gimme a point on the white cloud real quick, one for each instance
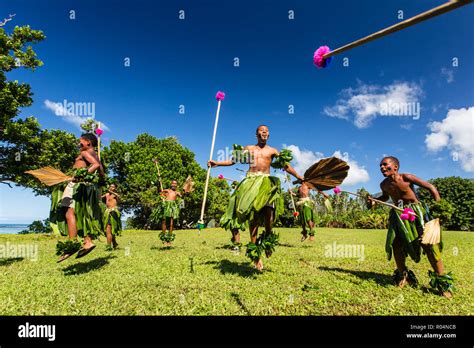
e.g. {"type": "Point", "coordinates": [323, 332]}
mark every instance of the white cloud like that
{"type": "Point", "coordinates": [365, 102]}
{"type": "Point", "coordinates": [303, 159]}
{"type": "Point", "coordinates": [448, 74]}
{"type": "Point", "coordinates": [67, 115]}
{"type": "Point", "coordinates": [456, 133]}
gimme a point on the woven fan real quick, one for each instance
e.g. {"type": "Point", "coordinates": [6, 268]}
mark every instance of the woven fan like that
{"type": "Point", "coordinates": [188, 184]}
{"type": "Point", "coordinates": [49, 176]}
{"type": "Point", "coordinates": [431, 232]}
{"type": "Point", "coordinates": [326, 173]}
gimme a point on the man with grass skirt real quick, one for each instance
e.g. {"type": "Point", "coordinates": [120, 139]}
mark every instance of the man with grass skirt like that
{"type": "Point", "coordinates": [111, 217]}
{"type": "Point", "coordinates": [167, 212]}
{"type": "Point", "coordinates": [405, 232]}
{"type": "Point", "coordinates": [75, 209]}
{"type": "Point", "coordinates": [258, 199]}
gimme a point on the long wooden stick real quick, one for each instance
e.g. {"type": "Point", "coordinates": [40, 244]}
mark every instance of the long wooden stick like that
{"type": "Point", "coordinates": [201, 218]}
{"type": "Point", "coordinates": [159, 176]}
{"type": "Point", "coordinates": [98, 143]}
{"type": "Point", "coordinates": [291, 195]}
{"type": "Point", "coordinates": [449, 6]}
{"type": "Point", "coordinates": [375, 200]}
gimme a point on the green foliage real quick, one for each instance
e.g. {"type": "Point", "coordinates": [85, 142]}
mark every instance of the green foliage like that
{"type": "Point", "coordinates": [131, 166]}
{"type": "Point", "coordinates": [442, 210]}
{"type": "Point", "coordinates": [460, 193]}
{"type": "Point", "coordinates": [38, 226]}
{"type": "Point", "coordinates": [24, 145]}
{"type": "Point", "coordinates": [89, 125]}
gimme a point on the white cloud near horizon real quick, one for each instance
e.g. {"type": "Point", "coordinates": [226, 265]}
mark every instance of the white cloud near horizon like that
{"type": "Point", "coordinates": [361, 105]}
{"type": "Point", "coordinates": [303, 159]}
{"type": "Point", "coordinates": [456, 133]}
{"type": "Point", "coordinates": [59, 110]}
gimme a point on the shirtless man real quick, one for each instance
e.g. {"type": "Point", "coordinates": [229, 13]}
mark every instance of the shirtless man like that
{"type": "Point", "coordinates": [257, 199]}
{"type": "Point", "coordinates": [399, 187]}
{"type": "Point", "coordinates": [87, 159]}
{"type": "Point", "coordinates": [112, 222]}
{"type": "Point", "coordinates": [170, 206]}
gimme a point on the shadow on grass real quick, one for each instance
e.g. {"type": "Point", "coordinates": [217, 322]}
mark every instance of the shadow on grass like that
{"type": "Point", "coordinates": [237, 299]}
{"type": "Point", "coordinates": [286, 245]}
{"type": "Point", "coordinates": [9, 261]}
{"type": "Point", "coordinates": [85, 267]}
{"type": "Point", "coordinates": [379, 278]}
{"type": "Point", "coordinates": [162, 248]}
{"type": "Point", "coordinates": [242, 269]}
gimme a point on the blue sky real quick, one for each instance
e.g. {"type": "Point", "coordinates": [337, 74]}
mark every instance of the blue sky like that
{"type": "Point", "coordinates": [177, 62]}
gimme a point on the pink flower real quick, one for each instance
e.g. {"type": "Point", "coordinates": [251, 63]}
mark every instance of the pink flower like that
{"type": "Point", "coordinates": [221, 176]}
{"type": "Point", "coordinates": [337, 190]}
{"type": "Point", "coordinates": [318, 59]}
{"type": "Point", "coordinates": [99, 131]}
{"type": "Point", "coordinates": [220, 95]}
{"type": "Point", "coordinates": [408, 214]}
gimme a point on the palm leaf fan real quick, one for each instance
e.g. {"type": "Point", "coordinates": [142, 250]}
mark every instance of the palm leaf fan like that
{"type": "Point", "coordinates": [188, 184]}
{"type": "Point", "coordinates": [326, 173]}
{"type": "Point", "coordinates": [49, 176]}
{"type": "Point", "coordinates": [431, 232]}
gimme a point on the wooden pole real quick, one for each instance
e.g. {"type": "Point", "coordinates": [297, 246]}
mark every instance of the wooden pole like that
{"type": "Point", "coordinates": [375, 200]}
{"type": "Point", "coordinates": [449, 6]}
{"type": "Point", "coordinates": [201, 218]}
{"type": "Point", "coordinates": [159, 176]}
{"type": "Point", "coordinates": [291, 192]}
{"type": "Point", "coordinates": [98, 143]}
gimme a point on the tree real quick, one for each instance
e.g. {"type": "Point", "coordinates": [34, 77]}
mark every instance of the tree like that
{"type": "Point", "coordinates": [460, 193]}
{"type": "Point", "coordinates": [38, 226]}
{"type": "Point", "coordinates": [131, 166]}
{"type": "Point", "coordinates": [23, 144]}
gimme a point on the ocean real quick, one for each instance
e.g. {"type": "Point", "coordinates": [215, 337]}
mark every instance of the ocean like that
{"type": "Point", "coordinates": [12, 228]}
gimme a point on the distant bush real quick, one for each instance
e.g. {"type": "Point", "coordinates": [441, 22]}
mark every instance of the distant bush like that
{"type": "Point", "coordinates": [38, 226]}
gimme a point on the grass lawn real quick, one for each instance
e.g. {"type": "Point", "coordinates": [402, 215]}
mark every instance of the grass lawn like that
{"type": "Point", "coordinates": [198, 276]}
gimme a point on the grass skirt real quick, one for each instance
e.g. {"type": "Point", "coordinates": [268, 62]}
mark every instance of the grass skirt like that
{"type": "Point", "coordinates": [409, 232]}
{"type": "Point", "coordinates": [86, 207]}
{"type": "Point", "coordinates": [255, 192]}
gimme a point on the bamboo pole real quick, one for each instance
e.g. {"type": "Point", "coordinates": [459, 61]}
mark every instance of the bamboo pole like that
{"type": "Point", "coordinates": [203, 206]}
{"type": "Point", "coordinates": [449, 6]}
{"type": "Point", "coordinates": [159, 176]}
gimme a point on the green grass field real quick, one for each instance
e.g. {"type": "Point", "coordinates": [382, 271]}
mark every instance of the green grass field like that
{"type": "Point", "coordinates": [198, 276]}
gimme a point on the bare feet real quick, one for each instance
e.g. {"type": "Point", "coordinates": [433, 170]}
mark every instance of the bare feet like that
{"type": "Point", "coordinates": [259, 265]}
{"type": "Point", "coordinates": [403, 281]}
{"type": "Point", "coordinates": [447, 294]}
{"type": "Point", "coordinates": [311, 238]}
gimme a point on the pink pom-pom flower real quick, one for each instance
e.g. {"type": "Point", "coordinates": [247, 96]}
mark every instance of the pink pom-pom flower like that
{"type": "Point", "coordinates": [220, 176]}
{"type": "Point", "coordinates": [408, 214]}
{"type": "Point", "coordinates": [99, 131]}
{"type": "Point", "coordinates": [318, 58]}
{"type": "Point", "coordinates": [337, 190]}
{"type": "Point", "coordinates": [220, 95]}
